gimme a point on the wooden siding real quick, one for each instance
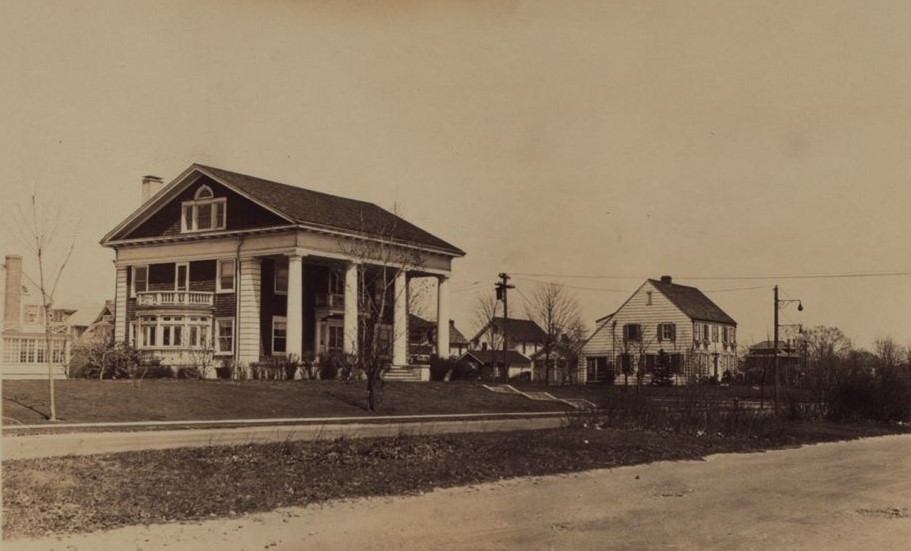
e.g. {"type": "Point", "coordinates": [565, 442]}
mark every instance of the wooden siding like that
{"type": "Point", "coordinates": [241, 213]}
{"type": "Point", "coordinates": [607, 340]}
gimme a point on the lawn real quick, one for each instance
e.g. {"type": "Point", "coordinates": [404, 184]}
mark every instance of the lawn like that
{"type": "Point", "coordinates": [599, 393]}
{"type": "Point", "coordinates": [181, 400]}
{"type": "Point", "coordinates": [85, 493]}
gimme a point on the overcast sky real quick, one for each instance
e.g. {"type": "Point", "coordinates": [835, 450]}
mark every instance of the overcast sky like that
{"type": "Point", "coordinates": [622, 140]}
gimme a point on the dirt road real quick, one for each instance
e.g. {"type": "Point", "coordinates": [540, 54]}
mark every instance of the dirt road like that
{"type": "Point", "coordinates": [849, 495]}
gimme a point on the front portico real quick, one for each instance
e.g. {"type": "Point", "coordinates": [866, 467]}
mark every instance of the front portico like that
{"type": "Point", "coordinates": [280, 287]}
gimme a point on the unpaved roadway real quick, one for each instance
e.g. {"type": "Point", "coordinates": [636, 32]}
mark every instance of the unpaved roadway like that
{"type": "Point", "coordinates": [847, 495]}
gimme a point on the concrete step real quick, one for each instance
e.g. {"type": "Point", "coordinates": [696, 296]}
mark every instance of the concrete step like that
{"type": "Point", "coordinates": [402, 374]}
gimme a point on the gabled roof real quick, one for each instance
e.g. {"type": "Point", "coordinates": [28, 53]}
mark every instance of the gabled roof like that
{"type": "Point", "coordinates": [417, 323]}
{"type": "Point", "coordinates": [456, 336]}
{"type": "Point", "coordinates": [490, 357]}
{"type": "Point", "coordinates": [517, 330]}
{"type": "Point", "coordinates": [311, 208]}
{"type": "Point", "coordinates": [692, 302]}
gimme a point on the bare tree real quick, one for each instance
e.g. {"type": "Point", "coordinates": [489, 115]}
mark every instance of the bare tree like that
{"type": "Point", "coordinates": [380, 260]}
{"type": "Point", "coordinates": [484, 314]}
{"type": "Point", "coordinates": [888, 352]}
{"type": "Point", "coordinates": [826, 349]}
{"type": "Point", "coordinates": [557, 312]}
{"type": "Point", "coordinates": [39, 226]}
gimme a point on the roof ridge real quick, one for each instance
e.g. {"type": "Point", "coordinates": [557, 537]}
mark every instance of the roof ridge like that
{"type": "Point", "coordinates": [327, 194]}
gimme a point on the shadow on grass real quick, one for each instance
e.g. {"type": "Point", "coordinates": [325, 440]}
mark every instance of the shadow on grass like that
{"type": "Point", "coordinates": [15, 400]}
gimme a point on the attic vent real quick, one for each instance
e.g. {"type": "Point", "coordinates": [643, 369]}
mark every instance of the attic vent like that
{"type": "Point", "coordinates": [666, 279]}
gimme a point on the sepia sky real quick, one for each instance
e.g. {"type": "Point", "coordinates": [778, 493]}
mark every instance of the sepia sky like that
{"type": "Point", "coordinates": [622, 140]}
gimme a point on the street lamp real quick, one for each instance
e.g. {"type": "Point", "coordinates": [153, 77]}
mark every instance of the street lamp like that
{"type": "Point", "coordinates": [778, 304]}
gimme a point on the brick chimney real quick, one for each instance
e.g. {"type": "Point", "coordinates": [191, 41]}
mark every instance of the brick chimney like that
{"type": "Point", "coordinates": [12, 293]}
{"type": "Point", "coordinates": [150, 186]}
{"type": "Point", "coordinates": [666, 279]}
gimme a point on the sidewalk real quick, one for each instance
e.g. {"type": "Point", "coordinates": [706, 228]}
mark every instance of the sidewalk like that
{"type": "Point", "coordinates": [25, 446]}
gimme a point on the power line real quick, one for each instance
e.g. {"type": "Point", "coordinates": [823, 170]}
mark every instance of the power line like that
{"type": "Point", "coordinates": [574, 286]}
{"type": "Point", "coordinates": [730, 277]}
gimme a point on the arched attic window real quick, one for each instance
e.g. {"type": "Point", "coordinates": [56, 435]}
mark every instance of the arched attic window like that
{"type": "Point", "coordinates": [204, 213]}
{"type": "Point", "coordinates": [204, 192]}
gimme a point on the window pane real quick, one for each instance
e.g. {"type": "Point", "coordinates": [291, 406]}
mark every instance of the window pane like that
{"type": "Point", "coordinates": [182, 273]}
{"type": "Point", "coordinates": [219, 215]}
{"type": "Point", "coordinates": [188, 217]}
{"type": "Point", "coordinates": [141, 278]}
{"type": "Point", "coordinates": [281, 279]}
{"type": "Point", "coordinates": [204, 216]}
{"type": "Point", "coordinates": [226, 274]}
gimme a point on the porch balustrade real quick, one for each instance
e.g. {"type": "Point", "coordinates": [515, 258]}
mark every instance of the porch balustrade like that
{"type": "Point", "coordinates": [174, 298]}
{"type": "Point", "coordinates": [333, 301]}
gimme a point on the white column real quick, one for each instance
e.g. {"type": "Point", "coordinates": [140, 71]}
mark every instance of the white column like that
{"type": "Point", "coordinates": [316, 335]}
{"type": "Point", "coordinates": [443, 316]}
{"type": "Point", "coordinates": [400, 320]}
{"type": "Point", "coordinates": [350, 328]}
{"type": "Point", "coordinates": [121, 295]}
{"type": "Point", "coordinates": [295, 304]}
{"type": "Point", "coordinates": [247, 328]}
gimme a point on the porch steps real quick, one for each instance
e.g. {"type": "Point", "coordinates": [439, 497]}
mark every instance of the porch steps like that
{"type": "Point", "coordinates": [575, 403]}
{"type": "Point", "coordinates": [402, 374]}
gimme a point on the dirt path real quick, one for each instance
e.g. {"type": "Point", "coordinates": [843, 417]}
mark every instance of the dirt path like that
{"type": "Point", "coordinates": [848, 495]}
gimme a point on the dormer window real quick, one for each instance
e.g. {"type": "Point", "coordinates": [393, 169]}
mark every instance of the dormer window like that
{"type": "Point", "coordinates": [205, 212]}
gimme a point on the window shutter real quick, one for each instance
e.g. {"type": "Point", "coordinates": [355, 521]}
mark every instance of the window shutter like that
{"type": "Point", "coordinates": [660, 332]}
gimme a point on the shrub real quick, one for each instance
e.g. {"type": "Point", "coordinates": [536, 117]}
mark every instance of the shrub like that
{"type": "Point", "coordinates": [884, 395]}
{"type": "Point", "coordinates": [440, 367]}
{"type": "Point", "coordinates": [153, 369]}
{"type": "Point", "coordinates": [188, 373]}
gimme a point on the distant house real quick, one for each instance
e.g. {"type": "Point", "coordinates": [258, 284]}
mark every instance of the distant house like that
{"type": "Point", "coordinates": [518, 362]}
{"type": "Point", "coordinates": [524, 336]}
{"type": "Point", "coordinates": [246, 269]}
{"type": "Point", "coordinates": [95, 329]}
{"type": "Point", "coordinates": [664, 332]}
{"type": "Point", "coordinates": [760, 359]}
{"type": "Point", "coordinates": [25, 353]}
{"type": "Point", "coordinates": [422, 340]}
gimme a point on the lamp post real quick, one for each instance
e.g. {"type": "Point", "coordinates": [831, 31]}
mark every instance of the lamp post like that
{"type": "Point", "coordinates": [778, 304]}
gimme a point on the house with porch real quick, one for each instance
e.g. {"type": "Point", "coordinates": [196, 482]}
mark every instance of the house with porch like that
{"type": "Point", "coordinates": [665, 333]}
{"type": "Point", "coordinates": [242, 269]}
{"type": "Point", "coordinates": [28, 353]}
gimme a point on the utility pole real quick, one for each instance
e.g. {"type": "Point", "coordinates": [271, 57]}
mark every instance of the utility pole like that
{"type": "Point", "coordinates": [502, 287]}
{"type": "Point", "coordinates": [775, 364]}
{"type": "Point", "coordinates": [777, 305]}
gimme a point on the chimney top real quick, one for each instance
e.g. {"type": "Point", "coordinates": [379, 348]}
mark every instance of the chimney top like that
{"type": "Point", "coordinates": [666, 279]}
{"type": "Point", "coordinates": [150, 178]}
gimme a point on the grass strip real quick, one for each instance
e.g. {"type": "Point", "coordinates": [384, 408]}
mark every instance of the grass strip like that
{"type": "Point", "coordinates": [81, 494]}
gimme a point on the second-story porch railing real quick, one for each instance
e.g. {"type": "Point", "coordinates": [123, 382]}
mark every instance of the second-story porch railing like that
{"type": "Point", "coordinates": [331, 300]}
{"type": "Point", "coordinates": [174, 298]}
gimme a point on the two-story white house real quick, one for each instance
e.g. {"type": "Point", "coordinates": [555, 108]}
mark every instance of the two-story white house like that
{"type": "Point", "coordinates": [249, 269]}
{"type": "Point", "coordinates": [664, 330]}
{"type": "Point", "coordinates": [26, 353]}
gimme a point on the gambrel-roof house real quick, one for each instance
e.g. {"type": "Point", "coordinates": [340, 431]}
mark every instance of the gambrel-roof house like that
{"type": "Point", "coordinates": [253, 268]}
{"type": "Point", "coordinates": [665, 332]}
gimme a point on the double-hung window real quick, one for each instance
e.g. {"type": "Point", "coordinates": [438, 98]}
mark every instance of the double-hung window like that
{"type": "Point", "coordinates": [182, 277]}
{"type": "Point", "coordinates": [632, 332]}
{"type": "Point", "coordinates": [667, 332]}
{"type": "Point", "coordinates": [204, 212]}
{"type": "Point", "coordinates": [225, 277]}
{"type": "Point", "coordinates": [140, 279]}
{"type": "Point", "coordinates": [281, 280]}
{"type": "Point", "coordinates": [279, 335]}
{"type": "Point", "coordinates": [224, 329]}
